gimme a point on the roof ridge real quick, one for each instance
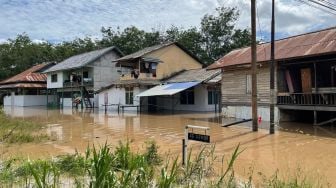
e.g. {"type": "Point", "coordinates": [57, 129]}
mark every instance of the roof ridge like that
{"type": "Point", "coordinates": [285, 38]}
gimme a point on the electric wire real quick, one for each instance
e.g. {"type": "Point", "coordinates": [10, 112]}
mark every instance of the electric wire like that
{"type": "Point", "coordinates": [316, 6]}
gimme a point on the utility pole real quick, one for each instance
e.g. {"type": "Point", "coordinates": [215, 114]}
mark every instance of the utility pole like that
{"type": "Point", "coordinates": [254, 67]}
{"type": "Point", "coordinates": [272, 94]}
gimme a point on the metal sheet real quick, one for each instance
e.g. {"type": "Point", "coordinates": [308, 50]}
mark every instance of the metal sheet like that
{"type": "Point", "coordinates": [309, 44]}
{"type": "Point", "coordinates": [168, 89]}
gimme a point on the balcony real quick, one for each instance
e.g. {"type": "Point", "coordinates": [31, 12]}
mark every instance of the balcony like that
{"type": "Point", "coordinates": [87, 82]}
{"type": "Point", "coordinates": [143, 76]}
{"type": "Point", "coordinates": [307, 99]}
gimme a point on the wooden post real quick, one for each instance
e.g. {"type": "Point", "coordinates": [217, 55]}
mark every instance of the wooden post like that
{"type": "Point", "coordinates": [254, 67]}
{"type": "Point", "coordinates": [272, 91]}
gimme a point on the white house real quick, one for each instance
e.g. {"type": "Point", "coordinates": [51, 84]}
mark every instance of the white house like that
{"type": "Point", "coordinates": [190, 90]}
{"type": "Point", "coordinates": [75, 80]}
{"type": "Point", "coordinates": [29, 88]}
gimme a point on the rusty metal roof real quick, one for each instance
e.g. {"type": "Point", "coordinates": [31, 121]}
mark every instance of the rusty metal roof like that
{"type": "Point", "coordinates": [28, 77]}
{"type": "Point", "coordinates": [304, 45]}
{"type": "Point", "coordinates": [23, 85]}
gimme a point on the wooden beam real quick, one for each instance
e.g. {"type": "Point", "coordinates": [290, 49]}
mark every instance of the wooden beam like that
{"type": "Point", "coordinates": [254, 67]}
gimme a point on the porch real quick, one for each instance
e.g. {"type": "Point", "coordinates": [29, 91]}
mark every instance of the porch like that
{"type": "Point", "coordinates": [308, 85]}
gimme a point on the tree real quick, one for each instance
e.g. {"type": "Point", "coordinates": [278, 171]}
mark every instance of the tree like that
{"type": "Point", "coordinates": [130, 40]}
{"type": "Point", "coordinates": [219, 34]}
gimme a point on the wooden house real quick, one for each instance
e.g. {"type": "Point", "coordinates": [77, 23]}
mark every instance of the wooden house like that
{"type": "Point", "coordinates": [29, 88]}
{"type": "Point", "coordinates": [144, 69]}
{"type": "Point", "coordinates": [75, 80]}
{"type": "Point", "coordinates": [305, 78]}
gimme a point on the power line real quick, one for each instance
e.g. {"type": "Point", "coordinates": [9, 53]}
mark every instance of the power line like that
{"type": "Point", "coordinates": [323, 5]}
{"type": "Point", "coordinates": [316, 6]}
{"type": "Point", "coordinates": [328, 3]}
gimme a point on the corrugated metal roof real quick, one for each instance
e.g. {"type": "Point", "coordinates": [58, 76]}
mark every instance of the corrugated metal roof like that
{"type": "Point", "coordinates": [216, 79]}
{"type": "Point", "coordinates": [23, 85]}
{"type": "Point", "coordinates": [167, 89]}
{"type": "Point", "coordinates": [144, 51]}
{"type": "Point", "coordinates": [195, 75]}
{"type": "Point", "coordinates": [309, 44]}
{"type": "Point", "coordinates": [30, 75]}
{"type": "Point", "coordinates": [81, 60]}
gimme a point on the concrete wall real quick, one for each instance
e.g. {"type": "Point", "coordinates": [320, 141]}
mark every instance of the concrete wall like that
{"type": "Point", "coordinates": [201, 101]}
{"type": "Point", "coordinates": [60, 80]}
{"type": "Point", "coordinates": [245, 112]}
{"type": "Point", "coordinates": [117, 96]}
{"type": "Point", "coordinates": [105, 71]}
{"type": "Point", "coordinates": [67, 102]}
{"type": "Point", "coordinates": [26, 100]}
{"type": "Point", "coordinates": [174, 59]}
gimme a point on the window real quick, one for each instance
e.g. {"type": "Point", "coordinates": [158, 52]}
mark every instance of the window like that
{"type": "Point", "coordinates": [187, 96]}
{"type": "Point", "coordinates": [248, 84]}
{"type": "Point", "coordinates": [212, 96]}
{"type": "Point", "coordinates": [85, 74]}
{"type": "Point", "coordinates": [54, 78]}
{"type": "Point", "coordinates": [129, 95]}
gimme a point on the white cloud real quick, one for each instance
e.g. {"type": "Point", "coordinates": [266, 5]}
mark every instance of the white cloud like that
{"type": "Point", "coordinates": [66, 19]}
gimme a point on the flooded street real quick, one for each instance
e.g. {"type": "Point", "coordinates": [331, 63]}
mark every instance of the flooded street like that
{"type": "Point", "coordinates": [295, 146]}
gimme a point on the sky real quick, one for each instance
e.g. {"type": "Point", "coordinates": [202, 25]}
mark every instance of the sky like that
{"type": "Point", "coordinates": [60, 20]}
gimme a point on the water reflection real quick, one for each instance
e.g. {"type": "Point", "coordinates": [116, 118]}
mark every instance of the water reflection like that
{"type": "Point", "coordinates": [293, 145]}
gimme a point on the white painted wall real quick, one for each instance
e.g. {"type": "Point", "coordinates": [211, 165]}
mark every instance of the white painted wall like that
{"type": "Point", "coordinates": [245, 112]}
{"type": "Point", "coordinates": [68, 102]}
{"type": "Point", "coordinates": [60, 80]}
{"type": "Point", "coordinates": [117, 96]}
{"type": "Point", "coordinates": [26, 100]}
{"type": "Point", "coordinates": [201, 101]}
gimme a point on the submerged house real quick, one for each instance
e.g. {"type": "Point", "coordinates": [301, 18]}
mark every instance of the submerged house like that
{"type": "Point", "coordinates": [143, 70]}
{"type": "Point", "coordinates": [189, 90]}
{"type": "Point", "coordinates": [29, 88]}
{"type": "Point", "coordinates": [75, 80]}
{"type": "Point", "coordinates": [305, 79]}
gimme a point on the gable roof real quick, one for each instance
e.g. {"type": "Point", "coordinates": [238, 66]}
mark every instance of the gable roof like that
{"type": "Point", "coordinates": [194, 75]}
{"type": "Point", "coordinates": [148, 50]}
{"type": "Point", "coordinates": [32, 77]}
{"type": "Point", "coordinates": [83, 59]}
{"type": "Point", "coordinates": [321, 42]}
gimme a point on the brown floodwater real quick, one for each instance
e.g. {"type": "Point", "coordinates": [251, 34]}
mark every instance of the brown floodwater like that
{"type": "Point", "coordinates": [294, 146]}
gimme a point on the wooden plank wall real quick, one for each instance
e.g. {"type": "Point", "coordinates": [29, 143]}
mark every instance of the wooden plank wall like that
{"type": "Point", "coordinates": [234, 87]}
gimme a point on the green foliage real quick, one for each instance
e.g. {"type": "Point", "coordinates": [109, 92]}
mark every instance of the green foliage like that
{"type": "Point", "coordinates": [216, 36]}
{"type": "Point", "coordinates": [19, 131]}
{"type": "Point", "coordinates": [151, 155]}
{"type": "Point", "coordinates": [104, 167]}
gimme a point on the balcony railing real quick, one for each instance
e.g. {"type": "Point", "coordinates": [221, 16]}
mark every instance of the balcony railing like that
{"type": "Point", "coordinates": [140, 76]}
{"type": "Point", "coordinates": [308, 99]}
{"type": "Point", "coordinates": [88, 82]}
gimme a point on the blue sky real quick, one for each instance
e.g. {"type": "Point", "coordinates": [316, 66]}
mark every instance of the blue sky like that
{"type": "Point", "coordinates": [58, 20]}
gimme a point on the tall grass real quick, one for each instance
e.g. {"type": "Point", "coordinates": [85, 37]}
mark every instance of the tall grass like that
{"type": "Point", "coordinates": [105, 166]}
{"type": "Point", "coordinates": [19, 131]}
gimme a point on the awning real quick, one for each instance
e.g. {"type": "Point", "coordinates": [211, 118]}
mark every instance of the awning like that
{"type": "Point", "coordinates": [167, 89]}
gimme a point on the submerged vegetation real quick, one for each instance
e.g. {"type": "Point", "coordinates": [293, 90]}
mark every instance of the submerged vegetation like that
{"type": "Point", "coordinates": [19, 131]}
{"type": "Point", "coordinates": [120, 167]}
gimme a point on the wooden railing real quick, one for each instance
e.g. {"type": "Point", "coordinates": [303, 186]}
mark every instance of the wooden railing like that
{"type": "Point", "coordinates": [319, 99]}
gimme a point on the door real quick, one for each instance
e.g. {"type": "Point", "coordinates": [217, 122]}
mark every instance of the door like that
{"type": "Point", "coordinates": [152, 104]}
{"type": "Point", "coordinates": [306, 80]}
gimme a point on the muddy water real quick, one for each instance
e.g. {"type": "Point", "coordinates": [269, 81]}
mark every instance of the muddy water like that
{"type": "Point", "coordinates": [294, 146]}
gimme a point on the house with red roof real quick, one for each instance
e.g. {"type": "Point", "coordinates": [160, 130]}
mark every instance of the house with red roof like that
{"type": "Point", "coordinates": [27, 88]}
{"type": "Point", "coordinates": [305, 79]}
